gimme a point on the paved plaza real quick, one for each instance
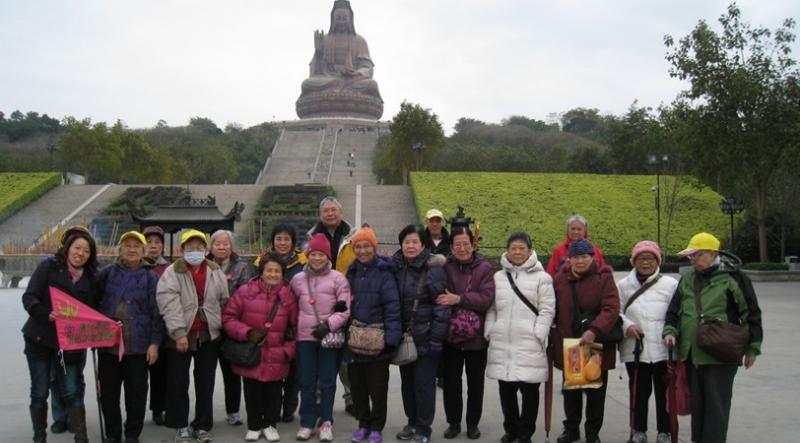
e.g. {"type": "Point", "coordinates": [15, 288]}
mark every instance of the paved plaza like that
{"type": "Point", "coordinates": [764, 407]}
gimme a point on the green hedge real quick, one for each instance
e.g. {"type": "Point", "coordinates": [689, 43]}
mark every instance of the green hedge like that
{"type": "Point", "coordinates": [766, 266]}
{"type": "Point", "coordinates": [620, 208]}
{"type": "Point", "coordinates": [19, 189]}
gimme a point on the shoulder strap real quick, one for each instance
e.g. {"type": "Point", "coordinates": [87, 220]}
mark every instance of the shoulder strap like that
{"type": "Point", "coordinates": [417, 295]}
{"type": "Point", "coordinates": [274, 311]}
{"type": "Point", "coordinates": [311, 300]}
{"type": "Point", "coordinates": [698, 289]}
{"type": "Point", "coordinates": [640, 291]}
{"type": "Point", "coordinates": [519, 294]}
{"type": "Point", "coordinates": [577, 312]}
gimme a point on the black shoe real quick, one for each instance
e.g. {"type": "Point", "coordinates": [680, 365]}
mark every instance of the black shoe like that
{"type": "Point", "coordinates": [452, 431]}
{"type": "Point", "coordinates": [593, 440]}
{"type": "Point", "coordinates": [524, 440]}
{"type": "Point", "coordinates": [131, 439]}
{"type": "Point", "coordinates": [568, 437]}
{"type": "Point", "coordinates": [407, 433]}
{"type": "Point", "coordinates": [508, 438]}
{"type": "Point", "coordinates": [473, 433]}
{"type": "Point", "coordinates": [440, 382]}
{"type": "Point", "coordinates": [59, 427]}
{"type": "Point", "coordinates": [349, 410]}
{"type": "Point", "coordinates": [159, 418]}
{"type": "Point", "coordinates": [287, 417]}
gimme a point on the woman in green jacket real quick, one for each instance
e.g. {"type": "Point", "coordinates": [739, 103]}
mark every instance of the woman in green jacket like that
{"type": "Point", "coordinates": [726, 294]}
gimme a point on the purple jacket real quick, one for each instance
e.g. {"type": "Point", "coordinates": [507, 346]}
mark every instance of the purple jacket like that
{"type": "Point", "coordinates": [326, 288]}
{"type": "Point", "coordinates": [249, 309]}
{"type": "Point", "coordinates": [474, 282]}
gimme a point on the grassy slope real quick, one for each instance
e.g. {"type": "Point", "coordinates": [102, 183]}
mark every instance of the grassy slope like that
{"type": "Point", "coordinates": [19, 189]}
{"type": "Point", "coordinates": [620, 208]}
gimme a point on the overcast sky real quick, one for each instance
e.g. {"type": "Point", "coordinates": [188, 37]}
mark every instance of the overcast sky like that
{"type": "Point", "coordinates": [243, 60]}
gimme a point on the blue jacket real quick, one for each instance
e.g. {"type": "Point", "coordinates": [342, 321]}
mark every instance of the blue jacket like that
{"type": "Point", "coordinates": [430, 320]}
{"type": "Point", "coordinates": [375, 300]}
{"type": "Point", "coordinates": [137, 288]}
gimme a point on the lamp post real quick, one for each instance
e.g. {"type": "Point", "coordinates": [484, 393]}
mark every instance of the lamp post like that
{"type": "Point", "coordinates": [658, 161]}
{"type": "Point", "coordinates": [731, 206]}
{"type": "Point", "coordinates": [417, 148]}
{"type": "Point", "coordinates": [52, 148]}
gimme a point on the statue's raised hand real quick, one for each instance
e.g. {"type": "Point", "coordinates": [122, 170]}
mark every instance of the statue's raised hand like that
{"type": "Point", "coordinates": [319, 40]}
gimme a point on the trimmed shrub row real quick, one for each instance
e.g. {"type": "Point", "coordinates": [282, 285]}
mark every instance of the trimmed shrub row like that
{"type": "Point", "coordinates": [20, 189]}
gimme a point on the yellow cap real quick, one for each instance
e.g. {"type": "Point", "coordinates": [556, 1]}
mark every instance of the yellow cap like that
{"type": "Point", "coordinates": [701, 242]}
{"type": "Point", "coordinates": [133, 234]}
{"type": "Point", "coordinates": [193, 233]}
{"type": "Point", "coordinates": [434, 213]}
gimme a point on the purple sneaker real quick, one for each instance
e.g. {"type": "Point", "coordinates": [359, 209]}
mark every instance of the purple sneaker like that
{"type": "Point", "coordinates": [360, 435]}
{"type": "Point", "coordinates": [375, 437]}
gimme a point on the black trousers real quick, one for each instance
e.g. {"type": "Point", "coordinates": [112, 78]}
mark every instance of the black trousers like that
{"type": "Point", "coordinates": [418, 386]}
{"type": "Point", "coordinates": [651, 379]}
{"type": "Point", "coordinates": [519, 424]}
{"type": "Point", "coordinates": [369, 385]}
{"type": "Point", "coordinates": [595, 408]}
{"type": "Point", "coordinates": [113, 374]}
{"type": "Point", "coordinates": [262, 400]}
{"type": "Point", "coordinates": [158, 382]}
{"type": "Point", "coordinates": [205, 371]}
{"type": "Point", "coordinates": [233, 385]}
{"type": "Point", "coordinates": [711, 388]}
{"type": "Point", "coordinates": [291, 390]}
{"type": "Point", "coordinates": [456, 362]}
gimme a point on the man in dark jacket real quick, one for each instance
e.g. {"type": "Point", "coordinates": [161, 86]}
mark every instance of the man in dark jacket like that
{"type": "Point", "coordinates": [437, 240]}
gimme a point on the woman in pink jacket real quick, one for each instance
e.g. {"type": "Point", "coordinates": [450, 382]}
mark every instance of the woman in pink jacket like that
{"type": "Point", "coordinates": [323, 300]}
{"type": "Point", "coordinates": [261, 311]}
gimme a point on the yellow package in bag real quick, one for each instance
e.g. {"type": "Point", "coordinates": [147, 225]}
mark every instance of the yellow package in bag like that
{"type": "Point", "coordinates": [583, 365]}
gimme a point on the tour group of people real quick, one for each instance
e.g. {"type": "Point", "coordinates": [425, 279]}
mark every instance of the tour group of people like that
{"type": "Point", "coordinates": [335, 307]}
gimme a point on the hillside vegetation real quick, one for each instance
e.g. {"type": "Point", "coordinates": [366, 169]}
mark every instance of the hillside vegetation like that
{"type": "Point", "coordinates": [19, 189]}
{"type": "Point", "coordinates": [620, 208]}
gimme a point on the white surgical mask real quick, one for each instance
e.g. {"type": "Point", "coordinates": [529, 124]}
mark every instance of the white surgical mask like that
{"type": "Point", "coordinates": [194, 258]}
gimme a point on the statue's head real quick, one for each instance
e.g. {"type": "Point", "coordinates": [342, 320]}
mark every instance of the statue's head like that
{"type": "Point", "coordinates": [342, 18]}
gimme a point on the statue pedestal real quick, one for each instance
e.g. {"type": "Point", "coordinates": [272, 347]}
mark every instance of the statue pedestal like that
{"type": "Point", "coordinates": [339, 104]}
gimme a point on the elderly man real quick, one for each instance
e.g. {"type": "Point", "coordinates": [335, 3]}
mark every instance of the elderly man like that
{"type": "Point", "coordinates": [337, 231]}
{"type": "Point", "coordinates": [437, 239]}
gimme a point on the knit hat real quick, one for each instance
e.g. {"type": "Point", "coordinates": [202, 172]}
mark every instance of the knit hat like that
{"type": "Point", "coordinates": [646, 246]}
{"type": "Point", "coordinates": [319, 243]}
{"type": "Point", "coordinates": [365, 234]}
{"type": "Point", "coordinates": [581, 246]}
{"type": "Point", "coordinates": [154, 230]}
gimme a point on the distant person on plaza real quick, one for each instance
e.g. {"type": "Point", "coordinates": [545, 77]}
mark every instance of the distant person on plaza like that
{"type": "Point", "coordinates": [374, 301]}
{"type": "Point", "coordinates": [518, 336]}
{"type": "Point", "coordinates": [323, 298]}
{"type": "Point", "coordinates": [726, 294]}
{"type": "Point", "coordinates": [592, 286]}
{"type": "Point", "coordinates": [129, 296]}
{"type": "Point", "coordinates": [577, 228]}
{"type": "Point", "coordinates": [237, 272]}
{"type": "Point", "coordinates": [190, 296]}
{"type": "Point", "coordinates": [73, 270]}
{"type": "Point", "coordinates": [643, 319]}
{"type": "Point", "coordinates": [427, 322]}
{"type": "Point", "coordinates": [437, 239]}
{"type": "Point", "coordinates": [154, 256]}
{"type": "Point", "coordinates": [470, 286]}
{"type": "Point", "coordinates": [249, 316]}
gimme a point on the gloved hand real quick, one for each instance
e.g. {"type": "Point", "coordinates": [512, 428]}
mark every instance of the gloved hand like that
{"type": "Point", "coordinates": [254, 336]}
{"type": "Point", "coordinates": [435, 348]}
{"type": "Point", "coordinates": [340, 306]}
{"type": "Point", "coordinates": [321, 330]}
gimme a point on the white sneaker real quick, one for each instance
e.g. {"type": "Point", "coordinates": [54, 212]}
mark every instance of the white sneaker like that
{"type": "Point", "coordinates": [664, 437]}
{"type": "Point", "coordinates": [304, 434]}
{"type": "Point", "coordinates": [252, 435]}
{"type": "Point", "coordinates": [271, 434]}
{"type": "Point", "coordinates": [234, 419]}
{"type": "Point", "coordinates": [326, 431]}
{"type": "Point", "coordinates": [639, 437]}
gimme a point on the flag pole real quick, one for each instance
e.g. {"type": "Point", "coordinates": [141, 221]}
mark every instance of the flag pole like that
{"type": "Point", "coordinates": [97, 390]}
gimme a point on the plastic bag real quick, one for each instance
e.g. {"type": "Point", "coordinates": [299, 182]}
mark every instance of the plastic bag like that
{"type": "Point", "coordinates": [583, 365]}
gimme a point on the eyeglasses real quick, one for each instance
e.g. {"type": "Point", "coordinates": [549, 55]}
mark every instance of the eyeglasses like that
{"type": "Point", "coordinates": [462, 245]}
{"type": "Point", "coordinates": [644, 259]}
{"type": "Point", "coordinates": [697, 255]}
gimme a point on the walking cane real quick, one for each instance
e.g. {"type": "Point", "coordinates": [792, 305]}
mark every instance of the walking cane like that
{"type": "Point", "coordinates": [97, 390]}
{"type": "Point", "coordinates": [548, 395]}
{"type": "Point", "coordinates": [637, 353]}
{"type": "Point", "coordinates": [672, 397]}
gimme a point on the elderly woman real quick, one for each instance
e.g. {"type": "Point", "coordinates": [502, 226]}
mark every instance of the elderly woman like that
{"type": "Point", "coordinates": [470, 287]}
{"type": "Point", "coordinates": [583, 281]}
{"type": "Point", "coordinates": [323, 297]}
{"type": "Point", "coordinates": [154, 252]}
{"type": "Point", "coordinates": [420, 279]}
{"type": "Point", "coordinates": [375, 301]}
{"type": "Point", "coordinates": [73, 271]}
{"type": "Point", "coordinates": [644, 296]}
{"type": "Point", "coordinates": [577, 228]}
{"type": "Point", "coordinates": [129, 296]}
{"type": "Point", "coordinates": [517, 325]}
{"type": "Point", "coordinates": [237, 272]}
{"type": "Point", "coordinates": [261, 311]}
{"type": "Point", "coordinates": [726, 294]}
{"type": "Point", "coordinates": [190, 296]}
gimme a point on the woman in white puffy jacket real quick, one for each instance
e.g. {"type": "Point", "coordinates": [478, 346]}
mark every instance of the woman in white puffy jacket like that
{"type": "Point", "coordinates": [518, 336]}
{"type": "Point", "coordinates": [644, 316]}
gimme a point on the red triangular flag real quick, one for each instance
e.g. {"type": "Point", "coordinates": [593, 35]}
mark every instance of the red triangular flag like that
{"type": "Point", "coordinates": [80, 327]}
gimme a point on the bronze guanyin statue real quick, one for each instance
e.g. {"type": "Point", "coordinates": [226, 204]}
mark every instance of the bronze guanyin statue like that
{"type": "Point", "coordinates": [340, 82]}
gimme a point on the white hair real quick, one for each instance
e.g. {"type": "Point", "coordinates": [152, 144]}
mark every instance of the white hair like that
{"type": "Point", "coordinates": [220, 233]}
{"type": "Point", "coordinates": [330, 199]}
{"type": "Point", "coordinates": [578, 218]}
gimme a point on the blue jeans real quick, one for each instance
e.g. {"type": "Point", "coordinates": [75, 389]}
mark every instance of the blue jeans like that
{"type": "Point", "coordinates": [44, 362]}
{"type": "Point", "coordinates": [59, 412]}
{"type": "Point", "coordinates": [316, 366]}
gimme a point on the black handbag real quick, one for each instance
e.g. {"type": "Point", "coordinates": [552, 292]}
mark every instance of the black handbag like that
{"type": "Point", "coordinates": [582, 320]}
{"type": "Point", "coordinates": [246, 353]}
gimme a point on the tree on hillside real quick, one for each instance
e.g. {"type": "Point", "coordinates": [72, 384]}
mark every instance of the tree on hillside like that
{"type": "Point", "coordinates": [586, 122]}
{"type": "Point", "coordinates": [632, 138]}
{"type": "Point", "coordinates": [141, 162]}
{"type": "Point", "coordinates": [466, 123]}
{"type": "Point", "coordinates": [744, 102]}
{"type": "Point", "coordinates": [530, 123]}
{"type": "Point", "coordinates": [206, 125]}
{"type": "Point", "coordinates": [90, 149]}
{"type": "Point", "coordinates": [415, 136]}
